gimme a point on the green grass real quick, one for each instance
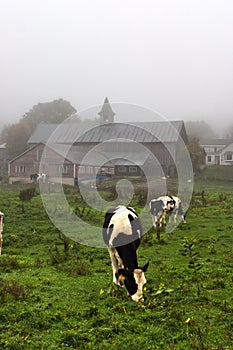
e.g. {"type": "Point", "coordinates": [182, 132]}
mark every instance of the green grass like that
{"type": "Point", "coordinates": [57, 294]}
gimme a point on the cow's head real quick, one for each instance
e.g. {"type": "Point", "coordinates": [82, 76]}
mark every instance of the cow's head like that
{"type": "Point", "coordinates": [133, 281]}
{"type": "Point", "coordinates": [171, 203]}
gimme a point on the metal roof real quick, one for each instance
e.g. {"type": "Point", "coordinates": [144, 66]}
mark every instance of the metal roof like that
{"type": "Point", "coordinates": [80, 132]}
{"type": "Point", "coordinates": [60, 133]}
{"type": "Point", "coordinates": [139, 132]}
{"type": "Point", "coordinates": [215, 142]}
{"type": "Point", "coordinates": [130, 156]}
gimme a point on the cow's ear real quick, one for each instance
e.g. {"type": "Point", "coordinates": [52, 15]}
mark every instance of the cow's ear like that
{"type": "Point", "coordinates": [145, 267]}
{"type": "Point", "coordinates": [121, 273]}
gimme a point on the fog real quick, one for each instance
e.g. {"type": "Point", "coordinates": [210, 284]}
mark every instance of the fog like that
{"type": "Point", "coordinates": [171, 56]}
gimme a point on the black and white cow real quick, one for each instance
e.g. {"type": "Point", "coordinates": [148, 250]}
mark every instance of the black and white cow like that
{"type": "Point", "coordinates": [176, 209]}
{"type": "Point", "coordinates": [158, 209]}
{"type": "Point", "coordinates": [161, 206]}
{"type": "Point", "coordinates": [1, 230]}
{"type": "Point", "coordinates": [41, 177]}
{"type": "Point", "coordinates": [122, 232]}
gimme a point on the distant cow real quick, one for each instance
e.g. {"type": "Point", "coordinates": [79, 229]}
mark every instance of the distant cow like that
{"type": "Point", "coordinates": [176, 209]}
{"type": "Point", "coordinates": [1, 230]}
{"type": "Point", "coordinates": [161, 206]}
{"type": "Point", "coordinates": [122, 232]}
{"type": "Point", "coordinates": [39, 177]}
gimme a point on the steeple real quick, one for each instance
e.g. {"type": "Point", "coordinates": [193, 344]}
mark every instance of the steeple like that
{"type": "Point", "coordinates": [106, 114]}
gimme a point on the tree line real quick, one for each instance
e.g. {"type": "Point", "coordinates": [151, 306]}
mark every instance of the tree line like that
{"type": "Point", "coordinates": [16, 135]}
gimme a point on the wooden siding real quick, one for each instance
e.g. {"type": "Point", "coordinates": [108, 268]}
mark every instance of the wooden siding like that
{"type": "Point", "coordinates": [55, 166]}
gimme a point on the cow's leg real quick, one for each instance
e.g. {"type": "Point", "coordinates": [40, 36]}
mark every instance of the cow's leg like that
{"type": "Point", "coordinates": [183, 219]}
{"type": "Point", "coordinates": [159, 218]}
{"type": "Point", "coordinates": [154, 220]}
{"type": "Point", "coordinates": [164, 219]}
{"type": "Point", "coordinates": [116, 264]}
{"type": "Point", "coordinates": [175, 216]}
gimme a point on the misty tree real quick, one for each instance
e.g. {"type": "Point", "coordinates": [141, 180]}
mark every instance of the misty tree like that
{"type": "Point", "coordinates": [16, 138]}
{"type": "Point", "coordinates": [4, 133]}
{"type": "Point", "coordinates": [197, 153]}
{"type": "Point", "coordinates": [229, 134]}
{"type": "Point", "coordinates": [200, 130]}
{"type": "Point", "coordinates": [56, 112]}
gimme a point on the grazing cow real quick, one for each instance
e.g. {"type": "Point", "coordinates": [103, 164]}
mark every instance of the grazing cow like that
{"type": "Point", "coordinates": [1, 230]}
{"type": "Point", "coordinates": [166, 205]}
{"type": "Point", "coordinates": [39, 177]}
{"type": "Point", "coordinates": [158, 208]}
{"type": "Point", "coordinates": [122, 232]}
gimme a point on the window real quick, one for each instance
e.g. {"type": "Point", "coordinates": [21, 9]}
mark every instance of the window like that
{"type": "Point", "coordinates": [62, 169]}
{"type": "Point", "coordinates": [122, 169]}
{"type": "Point", "coordinates": [133, 169]}
{"type": "Point", "coordinates": [209, 159]}
{"type": "Point", "coordinates": [81, 169]}
{"type": "Point", "coordinates": [20, 168]}
{"type": "Point", "coordinates": [89, 170]}
{"type": "Point", "coordinates": [38, 154]}
{"type": "Point", "coordinates": [228, 156]}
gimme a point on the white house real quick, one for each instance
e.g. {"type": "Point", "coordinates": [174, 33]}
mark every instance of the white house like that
{"type": "Point", "coordinates": [226, 155]}
{"type": "Point", "coordinates": [218, 151]}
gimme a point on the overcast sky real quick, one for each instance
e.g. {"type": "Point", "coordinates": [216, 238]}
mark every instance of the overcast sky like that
{"type": "Point", "coordinates": [172, 56]}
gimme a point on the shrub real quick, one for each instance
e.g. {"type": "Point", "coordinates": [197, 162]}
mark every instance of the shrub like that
{"type": "Point", "coordinates": [13, 289]}
{"type": "Point", "coordinates": [7, 264]}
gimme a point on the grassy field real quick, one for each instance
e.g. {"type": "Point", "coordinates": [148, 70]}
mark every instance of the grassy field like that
{"type": "Point", "coordinates": [57, 294]}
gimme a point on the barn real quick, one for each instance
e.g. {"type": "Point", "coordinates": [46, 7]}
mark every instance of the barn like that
{"type": "Point", "coordinates": [63, 163]}
{"type": "Point", "coordinates": [122, 149]}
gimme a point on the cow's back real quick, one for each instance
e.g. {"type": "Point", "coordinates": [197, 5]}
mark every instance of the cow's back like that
{"type": "Point", "coordinates": [121, 227]}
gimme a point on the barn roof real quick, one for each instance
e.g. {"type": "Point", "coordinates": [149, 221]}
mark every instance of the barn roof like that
{"type": "Point", "coordinates": [69, 133]}
{"type": "Point", "coordinates": [139, 132]}
{"type": "Point", "coordinates": [66, 132]}
{"type": "Point", "coordinates": [131, 156]}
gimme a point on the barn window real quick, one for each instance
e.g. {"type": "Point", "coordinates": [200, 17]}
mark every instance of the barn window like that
{"type": "Point", "coordinates": [38, 154]}
{"type": "Point", "coordinates": [62, 169]}
{"type": "Point", "coordinates": [81, 169]}
{"type": "Point", "coordinates": [133, 169]}
{"type": "Point", "coordinates": [89, 170]}
{"type": "Point", "coordinates": [122, 169]}
{"type": "Point", "coordinates": [20, 169]}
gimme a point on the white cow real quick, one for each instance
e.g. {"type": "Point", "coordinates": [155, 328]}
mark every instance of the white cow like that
{"type": "Point", "coordinates": [1, 230]}
{"type": "Point", "coordinates": [161, 206]}
{"type": "Point", "coordinates": [158, 209]}
{"type": "Point", "coordinates": [122, 232]}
